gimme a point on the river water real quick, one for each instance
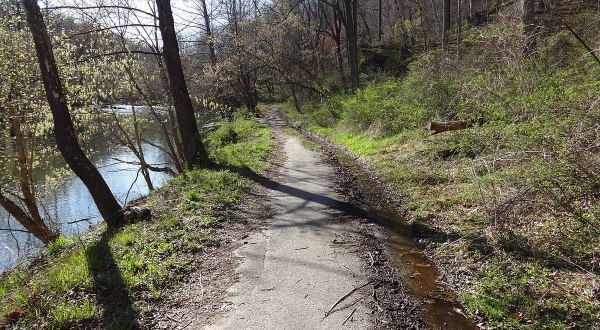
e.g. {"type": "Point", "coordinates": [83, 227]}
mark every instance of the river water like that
{"type": "Point", "coordinates": [71, 205]}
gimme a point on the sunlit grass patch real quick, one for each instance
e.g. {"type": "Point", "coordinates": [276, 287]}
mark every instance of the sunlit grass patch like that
{"type": "Point", "coordinates": [64, 312]}
{"type": "Point", "coordinates": [516, 294]}
{"type": "Point", "coordinates": [241, 143]}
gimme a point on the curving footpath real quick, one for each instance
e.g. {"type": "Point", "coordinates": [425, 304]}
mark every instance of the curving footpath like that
{"type": "Point", "coordinates": [302, 264]}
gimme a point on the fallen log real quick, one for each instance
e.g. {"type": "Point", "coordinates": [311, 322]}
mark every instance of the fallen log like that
{"type": "Point", "coordinates": [134, 214]}
{"type": "Point", "coordinates": [444, 126]}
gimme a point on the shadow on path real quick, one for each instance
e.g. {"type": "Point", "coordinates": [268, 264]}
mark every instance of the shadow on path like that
{"type": "Point", "coordinates": [342, 206]}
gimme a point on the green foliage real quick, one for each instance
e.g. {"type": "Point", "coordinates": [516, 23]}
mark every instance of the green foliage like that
{"type": "Point", "coordinates": [514, 294]}
{"type": "Point", "coordinates": [523, 179]}
{"type": "Point", "coordinates": [63, 312]}
{"type": "Point", "coordinates": [240, 143]}
{"type": "Point", "coordinates": [58, 245]}
{"type": "Point", "coordinates": [382, 109]}
{"type": "Point", "coordinates": [69, 273]}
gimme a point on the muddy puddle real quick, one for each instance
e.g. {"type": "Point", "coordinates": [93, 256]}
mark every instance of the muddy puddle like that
{"type": "Point", "coordinates": [439, 306]}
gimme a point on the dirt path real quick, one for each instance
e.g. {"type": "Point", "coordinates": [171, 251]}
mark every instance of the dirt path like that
{"type": "Point", "coordinates": [298, 244]}
{"type": "Point", "coordinates": [296, 269]}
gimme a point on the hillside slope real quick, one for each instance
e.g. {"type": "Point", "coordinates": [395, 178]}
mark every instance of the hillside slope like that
{"type": "Point", "coordinates": [509, 208]}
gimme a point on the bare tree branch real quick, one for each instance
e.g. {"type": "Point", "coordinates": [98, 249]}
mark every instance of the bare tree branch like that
{"type": "Point", "coordinates": [101, 7]}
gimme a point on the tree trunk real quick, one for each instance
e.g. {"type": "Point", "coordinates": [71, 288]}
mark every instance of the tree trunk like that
{"type": "Point", "coordinates": [446, 27]}
{"type": "Point", "coordinates": [529, 26]}
{"type": "Point", "coordinates": [470, 10]}
{"type": "Point", "coordinates": [180, 160]}
{"type": "Point", "coordinates": [209, 36]}
{"type": "Point", "coordinates": [340, 60]}
{"type": "Point", "coordinates": [379, 21]}
{"type": "Point", "coordinates": [336, 31]}
{"type": "Point", "coordinates": [194, 152]}
{"type": "Point", "coordinates": [296, 103]}
{"type": "Point", "coordinates": [64, 132]}
{"type": "Point", "coordinates": [39, 230]}
{"type": "Point", "coordinates": [458, 28]}
{"type": "Point", "coordinates": [351, 39]}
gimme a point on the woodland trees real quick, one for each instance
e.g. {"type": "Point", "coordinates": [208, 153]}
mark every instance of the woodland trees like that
{"type": "Point", "coordinates": [18, 193]}
{"type": "Point", "coordinates": [64, 132]}
{"type": "Point", "coordinates": [26, 123]}
{"type": "Point", "coordinates": [231, 54]}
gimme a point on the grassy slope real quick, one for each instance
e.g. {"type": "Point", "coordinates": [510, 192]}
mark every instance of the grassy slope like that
{"type": "Point", "coordinates": [81, 277]}
{"type": "Point", "coordinates": [513, 203]}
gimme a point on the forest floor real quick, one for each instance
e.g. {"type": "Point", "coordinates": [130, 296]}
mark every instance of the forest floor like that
{"type": "Point", "coordinates": [303, 259]}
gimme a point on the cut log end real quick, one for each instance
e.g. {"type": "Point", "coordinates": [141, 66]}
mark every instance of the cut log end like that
{"type": "Point", "coordinates": [445, 126]}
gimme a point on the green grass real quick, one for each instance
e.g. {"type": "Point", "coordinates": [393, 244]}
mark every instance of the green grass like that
{"type": "Point", "coordinates": [105, 278]}
{"type": "Point", "coordinates": [237, 143]}
{"type": "Point", "coordinates": [522, 180]}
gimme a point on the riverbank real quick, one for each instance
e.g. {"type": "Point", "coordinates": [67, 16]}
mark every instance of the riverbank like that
{"type": "Point", "coordinates": [116, 279]}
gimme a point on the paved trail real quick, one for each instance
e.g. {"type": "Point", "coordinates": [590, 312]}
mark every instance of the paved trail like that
{"type": "Point", "coordinates": [296, 269]}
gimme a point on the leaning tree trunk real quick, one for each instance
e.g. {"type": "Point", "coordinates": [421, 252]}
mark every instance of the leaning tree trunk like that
{"type": "Point", "coordinates": [194, 152]}
{"type": "Point", "coordinates": [64, 133]}
{"type": "Point", "coordinates": [37, 229]}
{"type": "Point", "coordinates": [28, 215]}
{"type": "Point", "coordinates": [35, 224]}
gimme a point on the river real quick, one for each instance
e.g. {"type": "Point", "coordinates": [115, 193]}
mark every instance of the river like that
{"type": "Point", "coordinates": [71, 205]}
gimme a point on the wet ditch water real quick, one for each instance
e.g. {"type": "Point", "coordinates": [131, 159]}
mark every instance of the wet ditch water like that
{"type": "Point", "coordinates": [439, 306]}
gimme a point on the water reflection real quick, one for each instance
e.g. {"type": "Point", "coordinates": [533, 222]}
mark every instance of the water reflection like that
{"type": "Point", "coordinates": [72, 207]}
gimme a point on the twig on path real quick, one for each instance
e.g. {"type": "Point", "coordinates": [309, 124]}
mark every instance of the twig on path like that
{"type": "Point", "coordinates": [187, 325]}
{"type": "Point", "coordinates": [416, 307]}
{"type": "Point", "coordinates": [372, 259]}
{"type": "Point", "coordinates": [374, 294]}
{"type": "Point", "coordinates": [172, 319]}
{"type": "Point", "coordinates": [201, 287]}
{"type": "Point", "coordinates": [349, 316]}
{"type": "Point", "coordinates": [362, 284]}
{"type": "Point", "coordinates": [268, 289]}
{"type": "Point", "coordinates": [78, 221]}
